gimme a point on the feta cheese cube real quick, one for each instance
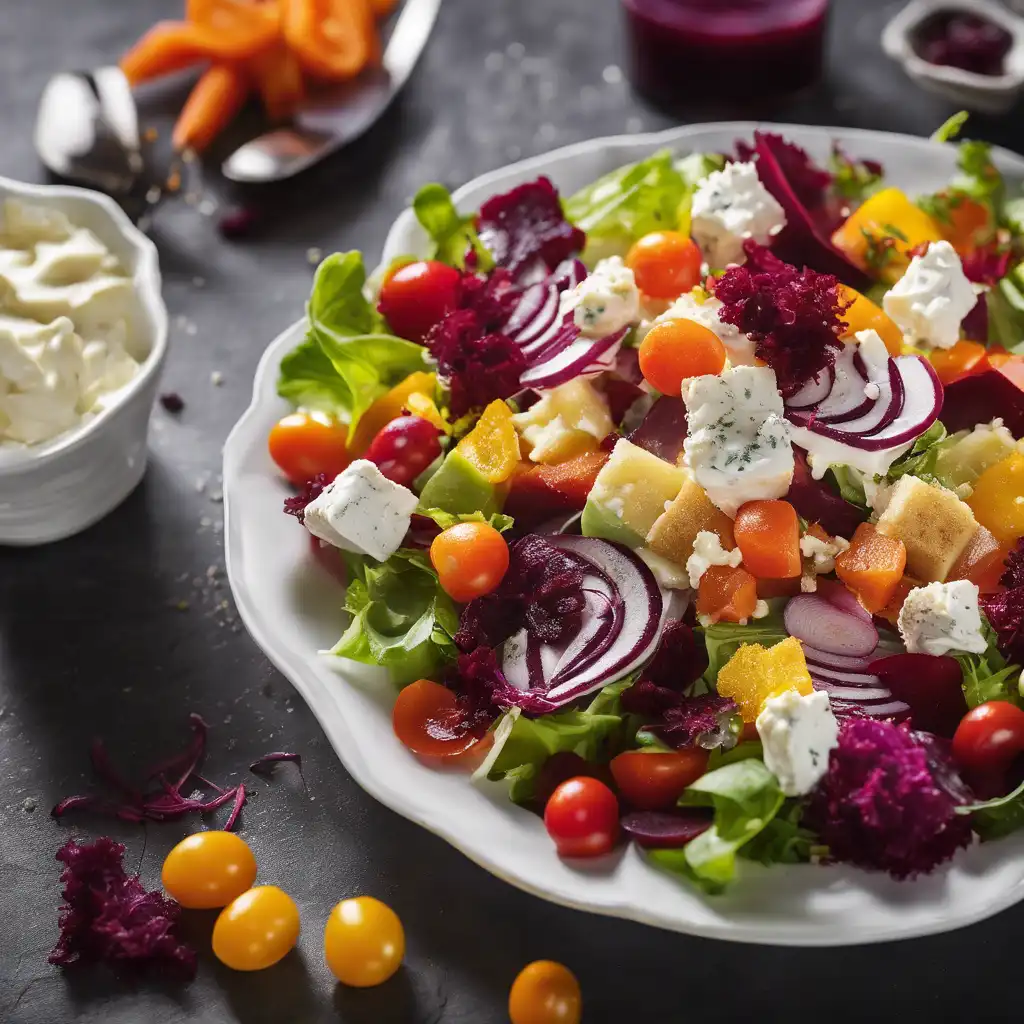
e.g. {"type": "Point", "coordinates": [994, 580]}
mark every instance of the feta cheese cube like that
{"type": "Point", "coordinates": [730, 206]}
{"type": "Point", "coordinates": [362, 511]}
{"type": "Point", "coordinates": [797, 732]}
{"type": "Point", "coordinates": [738, 446]}
{"type": "Point", "coordinates": [708, 551]}
{"type": "Point", "coordinates": [704, 309]}
{"type": "Point", "coordinates": [942, 617]}
{"type": "Point", "coordinates": [605, 301]}
{"type": "Point", "coordinates": [930, 300]}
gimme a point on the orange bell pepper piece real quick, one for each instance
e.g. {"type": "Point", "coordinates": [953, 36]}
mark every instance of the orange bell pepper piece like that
{"type": "Point", "coordinates": [966, 223]}
{"type": "Point", "coordinates": [998, 499]}
{"type": "Point", "coordinates": [333, 39]}
{"type": "Point", "coordinates": [962, 360]}
{"type": "Point", "coordinates": [213, 102]}
{"type": "Point", "coordinates": [862, 314]}
{"type": "Point", "coordinates": [768, 536]}
{"type": "Point", "coordinates": [278, 78]}
{"type": "Point", "coordinates": [727, 594]}
{"type": "Point", "coordinates": [538, 492]}
{"type": "Point", "coordinates": [872, 566]}
{"type": "Point", "coordinates": [982, 562]}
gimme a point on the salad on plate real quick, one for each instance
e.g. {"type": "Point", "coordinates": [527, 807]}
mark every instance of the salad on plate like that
{"type": "Point", "coordinates": [689, 507]}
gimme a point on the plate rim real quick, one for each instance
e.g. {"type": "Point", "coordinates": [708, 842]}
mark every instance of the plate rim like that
{"type": "Point", "coordinates": [295, 667]}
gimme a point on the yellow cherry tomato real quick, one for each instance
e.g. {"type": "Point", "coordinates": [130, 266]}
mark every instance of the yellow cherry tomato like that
{"type": "Point", "coordinates": [545, 992]}
{"type": "Point", "coordinates": [364, 942]}
{"type": "Point", "coordinates": [209, 870]}
{"type": "Point", "coordinates": [998, 499]}
{"type": "Point", "coordinates": [257, 929]}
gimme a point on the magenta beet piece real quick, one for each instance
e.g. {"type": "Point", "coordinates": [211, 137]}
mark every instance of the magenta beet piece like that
{"type": "Point", "coordinates": [931, 685]}
{"type": "Point", "coordinates": [665, 829]}
{"type": "Point", "coordinates": [818, 502]}
{"type": "Point", "coordinates": [108, 917]}
{"type": "Point", "coordinates": [678, 663]}
{"type": "Point", "coordinates": [172, 401]}
{"type": "Point", "coordinates": [980, 398]}
{"type": "Point", "coordinates": [296, 505]}
{"type": "Point", "coordinates": [809, 182]}
{"type": "Point", "coordinates": [663, 430]}
{"type": "Point", "coordinates": [239, 222]}
{"type": "Point", "coordinates": [962, 40]}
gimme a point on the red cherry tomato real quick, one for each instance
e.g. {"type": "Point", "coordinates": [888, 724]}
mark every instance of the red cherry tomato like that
{"type": "Point", "coordinates": [654, 782]}
{"type": "Point", "coordinates": [429, 721]}
{"type": "Point", "coordinates": [987, 740]}
{"type": "Point", "coordinates": [417, 296]}
{"type": "Point", "coordinates": [404, 448]}
{"type": "Point", "coordinates": [305, 444]}
{"type": "Point", "coordinates": [470, 558]}
{"type": "Point", "coordinates": [665, 264]}
{"type": "Point", "coordinates": [582, 817]}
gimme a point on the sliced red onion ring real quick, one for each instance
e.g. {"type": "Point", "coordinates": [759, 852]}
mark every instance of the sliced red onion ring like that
{"type": "Point", "coordinates": [815, 621]}
{"type": "Point", "coordinates": [836, 661]}
{"type": "Point", "coordinates": [835, 593]}
{"type": "Point", "coordinates": [861, 694]}
{"type": "Point", "coordinates": [835, 675]}
{"type": "Point", "coordinates": [578, 359]}
{"type": "Point", "coordinates": [816, 390]}
{"type": "Point", "coordinates": [545, 315]}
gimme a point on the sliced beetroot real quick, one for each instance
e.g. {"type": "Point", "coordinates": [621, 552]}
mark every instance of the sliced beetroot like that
{"type": "Point", "coordinates": [815, 621]}
{"type": "Point", "coordinates": [978, 399]}
{"type": "Point", "coordinates": [665, 829]}
{"type": "Point", "coordinates": [817, 502]}
{"type": "Point", "coordinates": [931, 685]}
{"type": "Point", "coordinates": [663, 430]}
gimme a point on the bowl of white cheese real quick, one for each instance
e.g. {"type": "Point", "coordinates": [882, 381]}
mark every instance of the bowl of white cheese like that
{"type": "Point", "coordinates": [83, 333]}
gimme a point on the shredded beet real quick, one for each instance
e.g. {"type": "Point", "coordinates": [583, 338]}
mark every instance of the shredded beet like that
{"type": "Point", "coordinates": [491, 296]}
{"type": "Point", "coordinates": [1004, 609]}
{"type": "Point", "coordinates": [542, 590]}
{"type": "Point", "coordinates": [809, 181]}
{"type": "Point", "coordinates": [160, 796]}
{"type": "Point", "coordinates": [677, 664]}
{"type": "Point", "coordinates": [986, 264]}
{"type": "Point", "coordinates": [526, 231]}
{"type": "Point", "coordinates": [887, 801]}
{"type": "Point", "coordinates": [108, 917]}
{"type": "Point", "coordinates": [1013, 574]}
{"type": "Point", "coordinates": [296, 506]}
{"type": "Point", "coordinates": [962, 40]}
{"type": "Point", "coordinates": [477, 366]}
{"type": "Point", "coordinates": [475, 677]}
{"type": "Point", "coordinates": [705, 721]}
{"type": "Point", "coordinates": [793, 316]}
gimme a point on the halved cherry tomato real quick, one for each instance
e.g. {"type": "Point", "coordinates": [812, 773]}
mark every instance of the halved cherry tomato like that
{"type": "Point", "coordinates": [427, 718]}
{"type": "Point", "coordinates": [364, 942]}
{"type": "Point", "coordinates": [675, 350]}
{"type": "Point", "coordinates": [768, 536]}
{"type": "Point", "coordinates": [257, 929]}
{"type": "Point", "coordinates": [987, 741]}
{"type": "Point", "coordinates": [470, 558]}
{"type": "Point", "coordinates": [417, 296]}
{"type": "Point", "coordinates": [655, 781]}
{"type": "Point", "coordinates": [665, 264]}
{"type": "Point", "coordinates": [209, 869]}
{"type": "Point", "coordinates": [545, 992]}
{"type": "Point", "coordinates": [582, 817]}
{"type": "Point", "coordinates": [962, 360]}
{"type": "Point", "coordinates": [404, 448]}
{"type": "Point", "coordinates": [306, 444]}
{"type": "Point", "coordinates": [727, 594]}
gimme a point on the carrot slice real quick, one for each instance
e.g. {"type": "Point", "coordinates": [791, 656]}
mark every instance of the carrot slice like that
{"type": "Point", "coordinates": [382, 8]}
{"type": "Point", "coordinates": [236, 17]}
{"type": "Point", "coordinates": [332, 38]}
{"type": "Point", "coordinates": [872, 566]}
{"type": "Point", "coordinates": [213, 102]}
{"type": "Point", "coordinates": [278, 77]}
{"type": "Point", "coordinates": [727, 594]}
{"type": "Point", "coordinates": [768, 535]}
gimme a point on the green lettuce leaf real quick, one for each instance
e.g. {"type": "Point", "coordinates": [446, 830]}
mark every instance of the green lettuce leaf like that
{"type": "Point", "coordinates": [451, 234]}
{"type": "Point", "coordinates": [950, 128]}
{"type": "Point", "coordinates": [498, 520]}
{"type": "Point", "coordinates": [745, 797]}
{"type": "Point", "coordinates": [723, 639]}
{"type": "Point", "coordinates": [993, 819]}
{"type": "Point", "coordinates": [401, 618]}
{"type": "Point", "coordinates": [850, 483]}
{"type": "Point", "coordinates": [784, 840]}
{"type": "Point", "coordinates": [852, 179]}
{"type": "Point", "coordinates": [989, 676]}
{"type": "Point", "coordinates": [920, 460]}
{"type": "Point", "coordinates": [628, 203]}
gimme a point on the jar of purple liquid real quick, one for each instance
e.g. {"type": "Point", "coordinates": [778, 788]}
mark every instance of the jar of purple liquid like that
{"type": "Point", "coordinates": [745, 50]}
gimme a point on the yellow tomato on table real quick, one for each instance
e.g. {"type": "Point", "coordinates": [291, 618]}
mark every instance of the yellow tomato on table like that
{"type": "Point", "coordinates": [257, 929]}
{"type": "Point", "coordinates": [209, 869]}
{"type": "Point", "coordinates": [364, 942]}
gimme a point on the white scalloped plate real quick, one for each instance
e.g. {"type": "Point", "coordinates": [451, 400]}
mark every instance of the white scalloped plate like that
{"type": "Point", "coordinates": [292, 609]}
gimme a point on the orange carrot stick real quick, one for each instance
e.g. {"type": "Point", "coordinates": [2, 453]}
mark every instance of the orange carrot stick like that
{"type": "Point", "coordinates": [213, 102]}
{"type": "Point", "coordinates": [333, 39]}
{"type": "Point", "coordinates": [278, 79]}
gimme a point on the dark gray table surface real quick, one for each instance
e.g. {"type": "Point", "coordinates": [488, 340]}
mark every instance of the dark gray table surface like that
{"type": "Point", "coordinates": [126, 629]}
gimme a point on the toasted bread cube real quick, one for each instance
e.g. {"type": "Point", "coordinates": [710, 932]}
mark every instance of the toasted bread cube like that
{"type": "Point", "coordinates": [673, 534]}
{"type": "Point", "coordinates": [934, 525]}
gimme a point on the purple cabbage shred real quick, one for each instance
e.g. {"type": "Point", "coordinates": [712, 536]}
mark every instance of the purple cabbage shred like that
{"type": "Point", "coordinates": [296, 505]}
{"type": "Point", "coordinates": [1004, 609]}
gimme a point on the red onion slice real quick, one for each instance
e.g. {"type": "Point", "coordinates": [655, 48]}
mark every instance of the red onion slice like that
{"type": "Point", "coordinates": [836, 661]}
{"type": "Point", "coordinates": [813, 620]}
{"type": "Point", "coordinates": [541, 320]}
{"type": "Point", "coordinates": [578, 359]}
{"type": "Point", "coordinates": [835, 675]}
{"type": "Point", "coordinates": [816, 390]}
{"type": "Point", "coordinates": [835, 593]}
{"type": "Point", "coordinates": [861, 694]}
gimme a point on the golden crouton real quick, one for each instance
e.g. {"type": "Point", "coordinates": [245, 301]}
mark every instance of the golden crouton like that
{"type": "Point", "coordinates": [691, 511]}
{"type": "Point", "coordinates": [933, 523]}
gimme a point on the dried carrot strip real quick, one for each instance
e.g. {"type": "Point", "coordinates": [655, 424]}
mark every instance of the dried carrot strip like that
{"type": "Point", "coordinates": [213, 102]}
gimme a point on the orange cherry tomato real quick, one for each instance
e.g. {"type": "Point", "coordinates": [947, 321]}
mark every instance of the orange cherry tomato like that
{"type": "Point", "coordinates": [582, 817]}
{"type": "Point", "coordinates": [209, 869]}
{"type": "Point", "coordinates": [676, 350]}
{"type": "Point", "coordinates": [429, 721]}
{"type": "Point", "coordinates": [305, 444]}
{"type": "Point", "coordinates": [665, 264]}
{"type": "Point", "coordinates": [654, 782]}
{"type": "Point", "coordinates": [257, 929]}
{"type": "Point", "coordinates": [545, 992]}
{"type": "Point", "coordinates": [768, 536]}
{"type": "Point", "coordinates": [364, 942]}
{"type": "Point", "coordinates": [727, 594]}
{"type": "Point", "coordinates": [470, 558]}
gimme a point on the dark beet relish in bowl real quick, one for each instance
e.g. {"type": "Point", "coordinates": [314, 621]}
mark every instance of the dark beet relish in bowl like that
{"type": "Point", "coordinates": [958, 39]}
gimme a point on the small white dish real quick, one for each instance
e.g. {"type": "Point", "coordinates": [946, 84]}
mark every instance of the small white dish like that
{"type": "Point", "coordinates": [53, 490]}
{"type": "Point", "coordinates": [988, 94]}
{"type": "Point", "coordinates": [291, 607]}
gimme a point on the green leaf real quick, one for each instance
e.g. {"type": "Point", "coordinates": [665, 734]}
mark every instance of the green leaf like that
{"type": "Point", "coordinates": [852, 179]}
{"type": "Point", "coordinates": [723, 639]}
{"type": "Point", "coordinates": [979, 177]}
{"type": "Point", "coordinates": [850, 483]}
{"type": "Point", "coordinates": [308, 379]}
{"type": "Point", "coordinates": [452, 234]}
{"type": "Point", "coordinates": [783, 840]}
{"type": "Point", "coordinates": [950, 128]}
{"type": "Point", "coordinates": [401, 618]}
{"type": "Point", "coordinates": [993, 819]}
{"type": "Point", "coordinates": [630, 202]}
{"type": "Point", "coordinates": [989, 676]}
{"type": "Point", "coordinates": [920, 460]}
{"type": "Point", "coordinates": [498, 520]}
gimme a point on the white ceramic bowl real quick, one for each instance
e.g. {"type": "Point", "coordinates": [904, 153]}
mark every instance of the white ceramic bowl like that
{"type": "Point", "coordinates": [291, 607]}
{"type": "Point", "coordinates": [990, 94]}
{"type": "Point", "coordinates": [53, 490]}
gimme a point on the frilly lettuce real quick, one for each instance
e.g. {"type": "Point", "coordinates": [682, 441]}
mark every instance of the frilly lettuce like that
{"type": "Point", "coordinates": [451, 234]}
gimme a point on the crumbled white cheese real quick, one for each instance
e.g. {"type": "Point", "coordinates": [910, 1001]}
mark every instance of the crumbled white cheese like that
{"type": "Point", "coordinates": [738, 446]}
{"type": "Point", "coordinates": [708, 551]}
{"type": "Point", "coordinates": [931, 299]}
{"type": "Point", "coordinates": [669, 575]}
{"type": "Point", "coordinates": [698, 306]}
{"type": "Point", "coordinates": [761, 609]}
{"type": "Point", "coordinates": [361, 510]}
{"type": "Point", "coordinates": [942, 617]}
{"type": "Point", "coordinates": [730, 206]}
{"type": "Point", "coordinates": [797, 733]}
{"type": "Point", "coordinates": [821, 554]}
{"type": "Point", "coordinates": [605, 301]}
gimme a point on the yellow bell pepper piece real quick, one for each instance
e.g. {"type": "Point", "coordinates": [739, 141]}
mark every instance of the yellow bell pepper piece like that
{"type": "Point", "coordinates": [863, 315]}
{"type": "Point", "coordinates": [492, 446]}
{"type": "Point", "coordinates": [424, 406]}
{"type": "Point", "coordinates": [388, 407]}
{"type": "Point", "coordinates": [998, 499]}
{"type": "Point", "coordinates": [879, 233]}
{"type": "Point", "coordinates": [755, 673]}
